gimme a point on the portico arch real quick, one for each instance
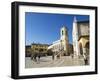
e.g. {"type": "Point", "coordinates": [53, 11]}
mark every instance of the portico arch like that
{"type": "Point", "coordinates": [87, 48]}
{"type": "Point", "coordinates": [80, 48]}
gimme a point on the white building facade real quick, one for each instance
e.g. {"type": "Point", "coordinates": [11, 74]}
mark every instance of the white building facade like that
{"type": "Point", "coordinates": [62, 43]}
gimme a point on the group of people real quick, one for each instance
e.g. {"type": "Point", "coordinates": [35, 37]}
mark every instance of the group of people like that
{"type": "Point", "coordinates": [36, 57]}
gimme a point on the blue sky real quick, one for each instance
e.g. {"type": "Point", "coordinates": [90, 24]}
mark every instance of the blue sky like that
{"type": "Point", "coordinates": [45, 27]}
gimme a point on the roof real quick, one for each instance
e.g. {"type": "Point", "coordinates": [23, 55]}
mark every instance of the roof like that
{"type": "Point", "coordinates": [87, 21]}
{"type": "Point", "coordinates": [28, 46]}
{"type": "Point", "coordinates": [40, 44]}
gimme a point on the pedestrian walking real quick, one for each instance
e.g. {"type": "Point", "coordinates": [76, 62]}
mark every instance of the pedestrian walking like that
{"type": "Point", "coordinates": [38, 58]}
{"type": "Point", "coordinates": [35, 57]}
{"type": "Point", "coordinates": [85, 59]}
{"type": "Point", "coordinates": [53, 57]}
{"type": "Point", "coordinates": [72, 55]}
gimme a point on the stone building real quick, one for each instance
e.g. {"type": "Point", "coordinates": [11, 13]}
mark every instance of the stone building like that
{"type": "Point", "coordinates": [39, 48]}
{"type": "Point", "coordinates": [61, 44]}
{"type": "Point", "coordinates": [36, 48]}
{"type": "Point", "coordinates": [81, 37]}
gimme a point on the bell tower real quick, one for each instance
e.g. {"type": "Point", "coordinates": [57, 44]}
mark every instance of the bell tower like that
{"type": "Point", "coordinates": [64, 39]}
{"type": "Point", "coordinates": [75, 37]}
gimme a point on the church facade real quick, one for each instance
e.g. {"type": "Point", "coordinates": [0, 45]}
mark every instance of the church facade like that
{"type": "Point", "coordinates": [61, 44]}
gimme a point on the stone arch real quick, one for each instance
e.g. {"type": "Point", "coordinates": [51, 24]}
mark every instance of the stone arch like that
{"type": "Point", "coordinates": [81, 48]}
{"type": "Point", "coordinates": [87, 46]}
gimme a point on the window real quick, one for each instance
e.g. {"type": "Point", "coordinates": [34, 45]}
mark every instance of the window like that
{"type": "Point", "coordinates": [62, 32]}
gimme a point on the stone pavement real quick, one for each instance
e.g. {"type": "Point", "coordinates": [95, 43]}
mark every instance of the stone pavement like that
{"type": "Point", "coordinates": [48, 62]}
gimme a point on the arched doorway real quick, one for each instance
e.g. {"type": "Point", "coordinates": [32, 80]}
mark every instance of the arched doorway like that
{"type": "Point", "coordinates": [81, 49]}
{"type": "Point", "coordinates": [87, 48]}
{"type": "Point", "coordinates": [87, 53]}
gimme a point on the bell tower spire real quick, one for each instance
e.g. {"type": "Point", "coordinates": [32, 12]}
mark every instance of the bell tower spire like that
{"type": "Point", "coordinates": [75, 36]}
{"type": "Point", "coordinates": [75, 20]}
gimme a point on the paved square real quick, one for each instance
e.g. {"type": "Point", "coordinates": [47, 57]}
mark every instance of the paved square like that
{"type": "Point", "coordinates": [48, 62]}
